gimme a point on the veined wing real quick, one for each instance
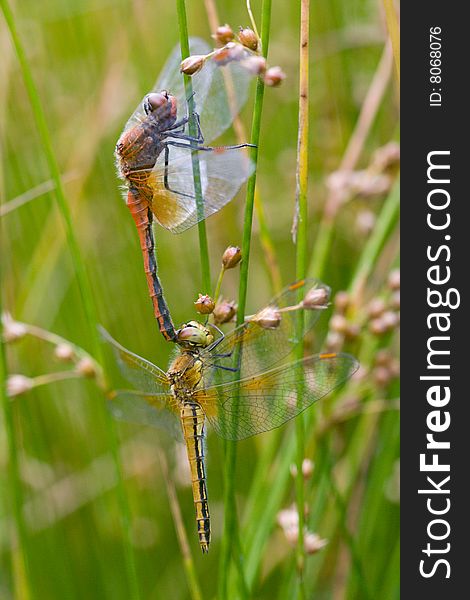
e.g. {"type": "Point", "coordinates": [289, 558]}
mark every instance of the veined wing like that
{"type": "Point", "coordinates": [144, 375]}
{"type": "Point", "coordinates": [220, 91]}
{"type": "Point", "coordinates": [241, 409]}
{"type": "Point", "coordinates": [157, 410]}
{"type": "Point", "coordinates": [263, 348]}
{"type": "Point", "coordinates": [222, 172]}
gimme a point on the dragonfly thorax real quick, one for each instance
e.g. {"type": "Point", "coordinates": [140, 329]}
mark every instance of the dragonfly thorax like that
{"type": "Point", "coordinates": [194, 335]}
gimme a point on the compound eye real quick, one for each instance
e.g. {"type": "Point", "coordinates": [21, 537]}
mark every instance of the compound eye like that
{"type": "Point", "coordinates": [155, 101]}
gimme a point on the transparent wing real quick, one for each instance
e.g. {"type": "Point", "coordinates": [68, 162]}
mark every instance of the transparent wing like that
{"type": "Point", "coordinates": [144, 375]}
{"type": "Point", "coordinates": [241, 409]}
{"type": "Point", "coordinates": [157, 410]}
{"type": "Point", "coordinates": [222, 172]}
{"type": "Point", "coordinates": [220, 91]}
{"type": "Point", "coordinates": [262, 348]}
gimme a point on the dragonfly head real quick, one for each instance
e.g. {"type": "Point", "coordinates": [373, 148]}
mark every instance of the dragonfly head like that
{"type": "Point", "coordinates": [194, 335]}
{"type": "Point", "coordinates": [161, 105]}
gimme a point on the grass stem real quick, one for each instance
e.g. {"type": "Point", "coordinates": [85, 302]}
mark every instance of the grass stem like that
{"type": "Point", "coordinates": [21, 579]}
{"type": "Point", "coordinates": [369, 110]}
{"type": "Point", "coordinates": [81, 275]}
{"type": "Point", "coordinates": [394, 32]}
{"type": "Point", "coordinates": [300, 235]}
{"type": "Point", "coordinates": [188, 562]}
{"type": "Point", "coordinates": [231, 521]}
{"type": "Point", "coordinates": [203, 246]}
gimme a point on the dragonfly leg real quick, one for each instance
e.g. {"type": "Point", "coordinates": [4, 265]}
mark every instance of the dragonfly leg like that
{"type": "Point", "coordinates": [199, 139]}
{"type": "Point", "coordinates": [165, 176]}
{"type": "Point", "coordinates": [206, 148]}
{"type": "Point", "coordinates": [192, 148]}
{"type": "Point", "coordinates": [231, 369]}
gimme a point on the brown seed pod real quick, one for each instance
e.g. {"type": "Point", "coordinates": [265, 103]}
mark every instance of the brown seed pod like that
{"type": "Point", "coordinates": [192, 64]}
{"type": "Point", "coordinates": [248, 38]}
{"type": "Point", "coordinates": [274, 76]}
{"type": "Point", "coordinates": [224, 312]}
{"type": "Point", "coordinates": [231, 257]}
{"type": "Point", "coordinates": [204, 304]}
{"type": "Point", "coordinates": [223, 34]}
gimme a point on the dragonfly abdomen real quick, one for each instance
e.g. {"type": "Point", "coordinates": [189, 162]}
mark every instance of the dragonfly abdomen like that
{"type": "Point", "coordinates": [192, 420]}
{"type": "Point", "coordinates": [142, 215]}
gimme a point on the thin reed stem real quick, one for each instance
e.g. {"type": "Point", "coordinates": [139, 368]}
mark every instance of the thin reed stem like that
{"type": "Point", "coordinates": [384, 225]}
{"type": "Point", "coordinates": [219, 284]}
{"type": "Point", "coordinates": [203, 246]}
{"type": "Point", "coordinates": [350, 159]}
{"type": "Point", "coordinates": [230, 532]}
{"type": "Point", "coordinates": [393, 26]}
{"type": "Point", "coordinates": [259, 524]}
{"type": "Point", "coordinates": [82, 279]}
{"type": "Point", "coordinates": [300, 235]}
{"type": "Point", "coordinates": [188, 562]}
{"type": "Point", "coordinates": [265, 236]}
{"type": "Point", "coordinates": [21, 579]}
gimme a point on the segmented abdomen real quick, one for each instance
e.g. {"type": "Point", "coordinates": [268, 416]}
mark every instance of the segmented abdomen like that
{"type": "Point", "coordinates": [141, 212]}
{"type": "Point", "coordinates": [192, 419]}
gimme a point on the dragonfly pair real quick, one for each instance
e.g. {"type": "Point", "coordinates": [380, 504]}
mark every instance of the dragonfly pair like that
{"type": "Point", "coordinates": [238, 382]}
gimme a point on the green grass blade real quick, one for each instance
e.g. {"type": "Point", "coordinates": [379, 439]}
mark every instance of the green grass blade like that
{"type": "Point", "coordinates": [203, 246]}
{"type": "Point", "coordinates": [80, 272]}
{"type": "Point", "coordinates": [230, 519]}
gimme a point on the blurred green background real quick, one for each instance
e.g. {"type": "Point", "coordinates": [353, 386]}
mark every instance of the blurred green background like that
{"type": "Point", "coordinates": [92, 62]}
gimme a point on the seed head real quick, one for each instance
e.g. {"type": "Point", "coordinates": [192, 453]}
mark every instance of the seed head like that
{"type": "Point", "coordinates": [231, 257]}
{"type": "Point", "coordinates": [248, 38]}
{"type": "Point", "coordinates": [232, 51]}
{"type": "Point", "coordinates": [313, 542]}
{"type": "Point", "coordinates": [377, 327]}
{"type": "Point", "coordinates": [192, 64]}
{"type": "Point", "coordinates": [307, 468]}
{"type": "Point", "coordinates": [274, 76]}
{"type": "Point", "coordinates": [223, 34]}
{"type": "Point", "coordinates": [382, 376]}
{"type": "Point", "coordinates": [334, 341]}
{"type": "Point", "coordinates": [86, 368]}
{"type": "Point", "coordinates": [256, 65]}
{"type": "Point", "coordinates": [376, 307]}
{"type": "Point", "coordinates": [268, 318]}
{"type": "Point", "coordinates": [365, 221]}
{"type": "Point", "coordinates": [386, 157]}
{"type": "Point", "coordinates": [390, 319]}
{"type": "Point", "coordinates": [342, 300]}
{"type": "Point", "coordinates": [339, 324]}
{"type": "Point", "coordinates": [64, 352]}
{"type": "Point", "coordinates": [352, 331]}
{"type": "Point", "coordinates": [204, 304]}
{"type": "Point", "coordinates": [224, 312]}
{"type": "Point", "coordinates": [394, 280]}
{"type": "Point", "coordinates": [383, 357]}
{"type": "Point", "coordinates": [395, 300]}
{"type": "Point", "coordinates": [316, 298]}
{"type": "Point", "coordinates": [18, 384]}
{"type": "Point", "coordinates": [12, 330]}
{"type": "Point", "coordinates": [288, 518]}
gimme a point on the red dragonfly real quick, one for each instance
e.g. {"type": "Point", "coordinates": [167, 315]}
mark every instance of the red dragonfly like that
{"type": "Point", "coordinates": [156, 157]}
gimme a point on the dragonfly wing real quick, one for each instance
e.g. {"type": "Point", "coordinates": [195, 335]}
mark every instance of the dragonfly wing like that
{"type": "Point", "coordinates": [171, 80]}
{"type": "Point", "coordinates": [219, 91]}
{"type": "Point", "coordinates": [157, 410]}
{"type": "Point", "coordinates": [263, 348]}
{"type": "Point", "coordinates": [144, 375]}
{"type": "Point", "coordinates": [222, 172]}
{"type": "Point", "coordinates": [226, 96]}
{"type": "Point", "coordinates": [241, 409]}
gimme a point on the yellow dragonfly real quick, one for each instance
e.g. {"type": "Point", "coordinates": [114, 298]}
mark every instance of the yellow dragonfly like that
{"type": "Point", "coordinates": [239, 382]}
